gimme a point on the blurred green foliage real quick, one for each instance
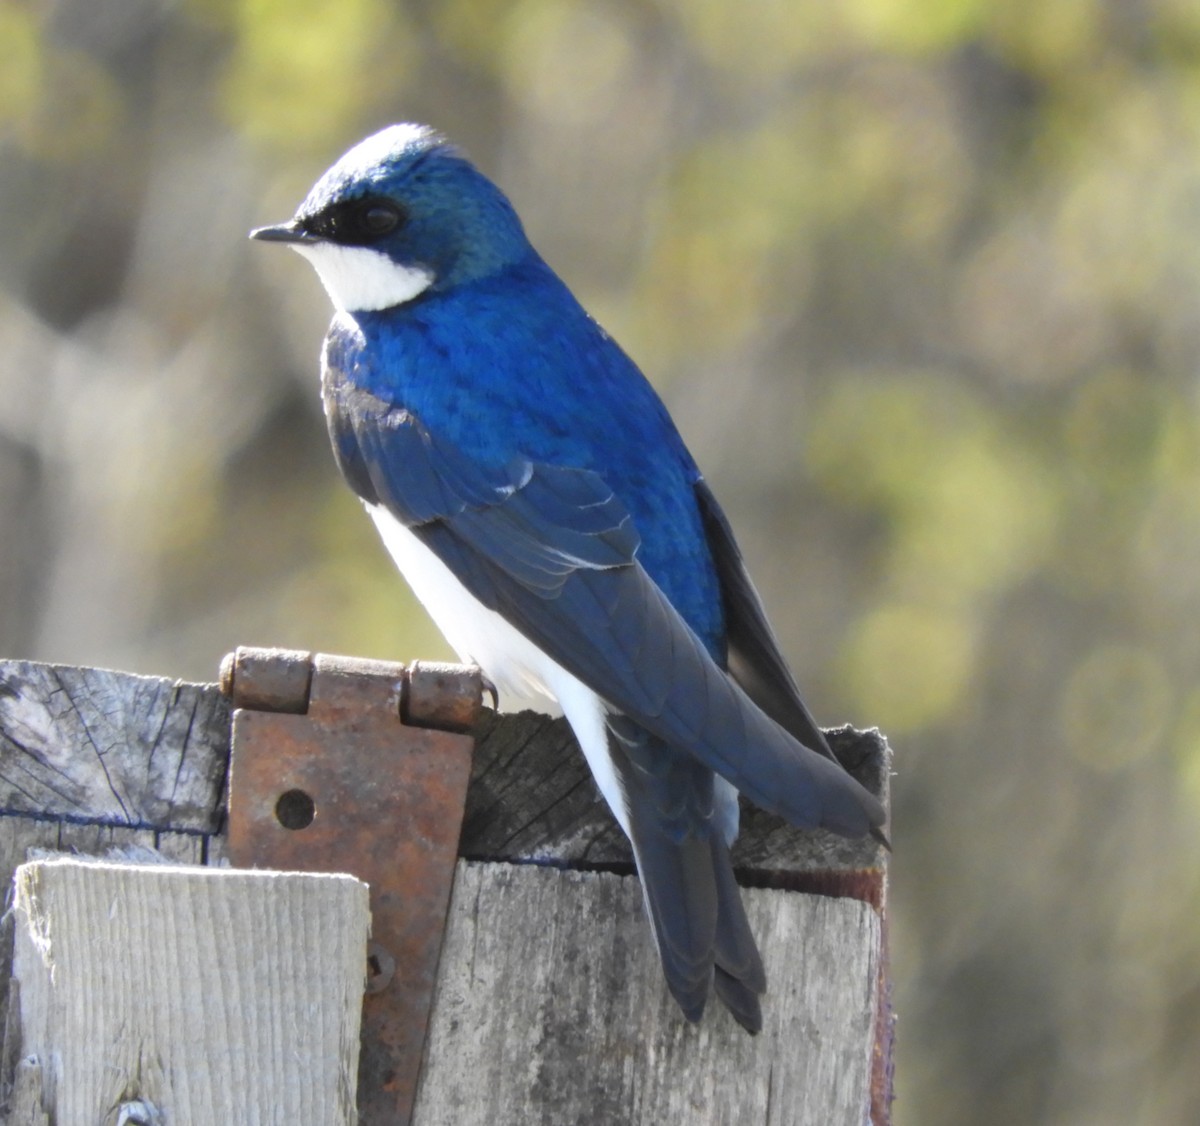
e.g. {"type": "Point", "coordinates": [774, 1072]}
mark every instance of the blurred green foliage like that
{"type": "Point", "coordinates": [301, 72]}
{"type": "Point", "coordinates": [920, 280]}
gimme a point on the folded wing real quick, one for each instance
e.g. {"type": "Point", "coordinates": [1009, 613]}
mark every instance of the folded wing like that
{"type": "Point", "coordinates": [554, 551]}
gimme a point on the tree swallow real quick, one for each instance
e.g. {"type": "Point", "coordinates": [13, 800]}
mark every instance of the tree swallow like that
{"type": "Point", "coordinates": [536, 495]}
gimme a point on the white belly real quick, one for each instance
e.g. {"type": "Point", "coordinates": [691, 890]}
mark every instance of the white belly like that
{"type": "Point", "coordinates": [524, 676]}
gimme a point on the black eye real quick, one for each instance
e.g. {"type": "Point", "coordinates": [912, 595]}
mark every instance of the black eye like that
{"type": "Point", "coordinates": [358, 222]}
{"type": "Point", "coordinates": [378, 219]}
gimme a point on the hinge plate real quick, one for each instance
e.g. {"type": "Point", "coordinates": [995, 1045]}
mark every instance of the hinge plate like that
{"type": "Point", "coordinates": [319, 744]}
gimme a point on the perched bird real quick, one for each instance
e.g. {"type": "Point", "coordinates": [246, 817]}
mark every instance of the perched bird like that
{"type": "Point", "coordinates": [536, 495]}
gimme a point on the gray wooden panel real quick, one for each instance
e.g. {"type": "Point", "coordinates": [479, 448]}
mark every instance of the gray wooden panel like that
{"type": "Point", "coordinates": [532, 797]}
{"type": "Point", "coordinates": [551, 1009]}
{"type": "Point", "coordinates": [218, 995]}
{"type": "Point", "coordinates": [101, 746]}
{"type": "Point", "coordinates": [96, 745]}
{"type": "Point", "coordinates": [553, 969]}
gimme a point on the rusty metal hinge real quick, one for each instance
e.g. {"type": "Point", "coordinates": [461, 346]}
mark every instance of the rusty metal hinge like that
{"type": "Point", "coordinates": [348, 765]}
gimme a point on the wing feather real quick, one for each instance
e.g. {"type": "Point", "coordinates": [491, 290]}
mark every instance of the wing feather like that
{"type": "Point", "coordinates": [554, 551]}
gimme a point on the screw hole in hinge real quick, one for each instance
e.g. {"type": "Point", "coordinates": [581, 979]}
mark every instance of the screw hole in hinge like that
{"type": "Point", "coordinates": [295, 809]}
{"type": "Point", "coordinates": [381, 967]}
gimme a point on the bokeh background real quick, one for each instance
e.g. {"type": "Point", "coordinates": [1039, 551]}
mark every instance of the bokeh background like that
{"type": "Point", "coordinates": [920, 281]}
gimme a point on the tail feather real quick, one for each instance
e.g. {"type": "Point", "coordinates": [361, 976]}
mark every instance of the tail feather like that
{"type": "Point", "coordinates": [681, 899]}
{"type": "Point", "coordinates": [741, 1001]}
{"type": "Point", "coordinates": [736, 951]}
{"type": "Point", "coordinates": [739, 976]}
{"type": "Point", "coordinates": [691, 895]}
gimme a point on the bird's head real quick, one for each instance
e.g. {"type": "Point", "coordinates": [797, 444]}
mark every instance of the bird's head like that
{"type": "Point", "coordinates": [401, 213]}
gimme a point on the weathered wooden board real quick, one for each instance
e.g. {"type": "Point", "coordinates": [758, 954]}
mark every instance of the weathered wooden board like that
{"type": "Point", "coordinates": [588, 1034]}
{"type": "Point", "coordinates": [216, 995]}
{"type": "Point", "coordinates": [569, 952]}
{"type": "Point", "coordinates": [533, 798]}
{"type": "Point", "coordinates": [104, 746]}
{"type": "Point", "coordinates": [23, 837]}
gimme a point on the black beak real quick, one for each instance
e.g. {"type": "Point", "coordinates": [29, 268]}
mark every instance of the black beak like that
{"type": "Point", "coordinates": [285, 232]}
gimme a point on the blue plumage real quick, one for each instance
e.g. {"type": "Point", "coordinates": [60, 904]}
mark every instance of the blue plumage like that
{"type": "Point", "coordinates": [533, 489]}
{"type": "Point", "coordinates": [554, 388]}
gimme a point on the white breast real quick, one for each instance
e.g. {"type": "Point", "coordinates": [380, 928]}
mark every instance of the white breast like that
{"type": "Point", "coordinates": [524, 676]}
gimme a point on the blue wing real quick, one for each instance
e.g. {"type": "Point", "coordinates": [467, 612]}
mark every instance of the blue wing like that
{"type": "Point", "coordinates": [553, 550]}
{"type": "Point", "coordinates": [755, 660]}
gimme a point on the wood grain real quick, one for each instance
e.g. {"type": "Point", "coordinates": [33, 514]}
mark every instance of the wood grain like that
{"type": "Point", "coordinates": [551, 1006]}
{"type": "Point", "coordinates": [533, 798]}
{"type": "Point", "coordinates": [225, 996]}
{"type": "Point", "coordinates": [102, 746]}
{"type": "Point", "coordinates": [587, 1033]}
{"type": "Point", "coordinates": [116, 748]}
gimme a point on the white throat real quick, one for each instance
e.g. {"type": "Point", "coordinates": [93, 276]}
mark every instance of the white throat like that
{"type": "Point", "coordinates": [361, 280]}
